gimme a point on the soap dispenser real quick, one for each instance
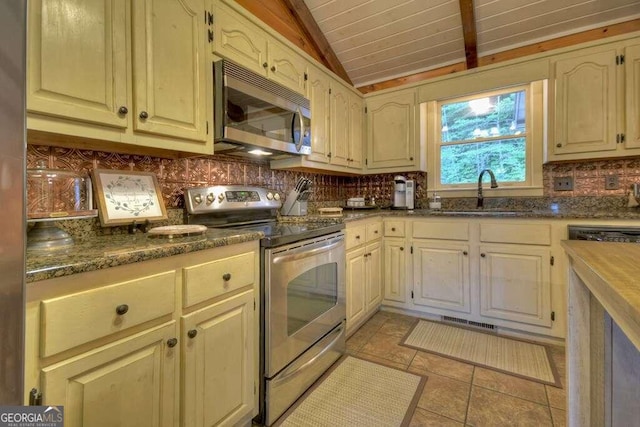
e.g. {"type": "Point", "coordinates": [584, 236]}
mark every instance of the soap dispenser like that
{"type": "Point", "coordinates": [435, 203]}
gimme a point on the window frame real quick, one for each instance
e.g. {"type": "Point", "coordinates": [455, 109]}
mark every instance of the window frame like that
{"type": "Point", "coordinates": [535, 122]}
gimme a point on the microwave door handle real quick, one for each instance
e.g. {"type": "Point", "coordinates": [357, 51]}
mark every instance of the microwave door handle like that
{"type": "Point", "coordinates": [307, 253]}
{"type": "Point", "coordinates": [300, 140]}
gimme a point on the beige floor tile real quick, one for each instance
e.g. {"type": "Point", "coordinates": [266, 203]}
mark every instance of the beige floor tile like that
{"type": "Point", "coordinates": [509, 384]}
{"type": "Point", "coordinates": [445, 396]}
{"type": "Point", "coordinates": [381, 361]}
{"type": "Point", "coordinates": [365, 331]}
{"type": "Point", "coordinates": [398, 327]}
{"type": "Point", "coordinates": [422, 418]}
{"type": "Point", "coordinates": [489, 408]}
{"type": "Point", "coordinates": [557, 397]}
{"type": "Point", "coordinates": [425, 363]}
{"type": "Point", "coordinates": [387, 347]}
{"type": "Point", "coordinates": [559, 417]}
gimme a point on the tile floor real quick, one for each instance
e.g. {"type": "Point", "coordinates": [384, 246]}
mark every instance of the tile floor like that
{"type": "Point", "coordinates": [460, 394]}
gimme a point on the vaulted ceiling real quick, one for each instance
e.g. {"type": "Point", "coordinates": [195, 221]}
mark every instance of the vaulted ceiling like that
{"type": "Point", "coordinates": [372, 41]}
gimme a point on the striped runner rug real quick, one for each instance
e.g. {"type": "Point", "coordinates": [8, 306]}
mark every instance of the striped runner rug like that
{"type": "Point", "coordinates": [512, 356]}
{"type": "Point", "coordinates": [357, 392]}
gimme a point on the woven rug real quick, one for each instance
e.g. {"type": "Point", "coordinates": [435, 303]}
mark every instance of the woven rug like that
{"type": "Point", "coordinates": [511, 356]}
{"type": "Point", "coordinates": [357, 392]}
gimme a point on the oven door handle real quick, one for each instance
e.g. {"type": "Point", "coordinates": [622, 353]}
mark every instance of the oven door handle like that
{"type": "Point", "coordinates": [307, 253]}
{"type": "Point", "coordinates": [286, 374]}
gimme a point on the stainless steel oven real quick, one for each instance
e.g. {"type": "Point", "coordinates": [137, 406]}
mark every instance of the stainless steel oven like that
{"type": "Point", "coordinates": [302, 289]}
{"type": "Point", "coordinates": [304, 316]}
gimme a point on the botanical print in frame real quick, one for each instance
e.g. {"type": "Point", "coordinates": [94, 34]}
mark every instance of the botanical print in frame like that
{"type": "Point", "coordinates": [128, 196]}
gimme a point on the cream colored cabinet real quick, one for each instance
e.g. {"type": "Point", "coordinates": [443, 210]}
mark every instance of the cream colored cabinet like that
{"type": "Point", "coordinates": [129, 383]}
{"type": "Point", "coordinates": [170, 68]}
{"type": "Point", "coordinates": [363, 270]}
{"type": "Point", "coordinates": [441, 275]}
{"type": "Point", "coordinates": [77, 67]}
{"type": "Point", "coordinates": [339, 125]}
{"type": "Point", "coordinates": [356, 131]}
{"type": "Point", "coordinates": [240, 40]}
{"type": "Point", "coordinates": [395, 270]}
{"type": "Point", "coordinates": [515, 283]}
{"type": "Point", "coordinates": [79, 82]}
{"type": "Point", "coordinates": [319, 86]}
{"type": "Point", "coordinates": [392, 131]}
{"type": "Point", "coordinates": [218, 373]}
{"type": "Point", "coordinates": [603, 120]}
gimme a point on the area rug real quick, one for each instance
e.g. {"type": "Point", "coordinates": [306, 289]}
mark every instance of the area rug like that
{"type": "Point", "coordinates": [355, 393]}
{"type": "Point", "coordinates": [512, 356]}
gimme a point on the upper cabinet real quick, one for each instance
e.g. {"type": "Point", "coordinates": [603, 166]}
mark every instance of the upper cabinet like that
{"type": "Point", "coordinates": [595, 112]}
{"type": "Point", "coordinates": [319, 93]}
{"type": "Point", "coordinates": [141, 82]}
{"type": "Point", "coordinates": [238, 39]}
{"type": "Point", "coordinates": [393, 137]}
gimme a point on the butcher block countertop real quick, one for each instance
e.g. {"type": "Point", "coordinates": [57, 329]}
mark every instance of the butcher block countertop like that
{"type": "Point", "coordinates": [611, 271]}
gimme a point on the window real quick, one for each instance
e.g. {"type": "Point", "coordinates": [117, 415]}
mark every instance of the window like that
{"type": "Point", "coordinates": [499, 130]}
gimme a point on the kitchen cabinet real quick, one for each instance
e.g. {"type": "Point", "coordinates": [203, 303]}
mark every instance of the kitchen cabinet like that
{"type": "Point", "coordinates": [363, 270]}
{"type": "Point", "coordinates": [238, 39]}
{"type": "Point", "coordinates": [395, 261]}
{"type": "Point", "coordinates": [319, 92]}
{"type": "Point", "coordinates": [109, 341]}
{"type": "Point", "coordinates": [79, 82]}
{"type": "Point", "coordinates": [339, 125]}
{"type": "Point", "coordinates": [602, 121]}
{"type": "Point", "coordinates": [393, 137]}
{"type": "Point", "coordinates": [356, 131]}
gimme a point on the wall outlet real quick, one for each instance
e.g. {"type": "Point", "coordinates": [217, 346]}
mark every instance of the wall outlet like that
{"type": "Point", "coordinates": [611, 182]}
{"type": "Point", "coordinates": [563, 183]}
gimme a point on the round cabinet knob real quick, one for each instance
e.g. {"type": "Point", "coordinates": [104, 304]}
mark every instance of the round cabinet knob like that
{"type": "Point", "coordinates": [273, 68]}
{"type": "Point", "coordinates": [357, 237]}
{"type": "Point", "coordinates": [210, 198]}
{"type": "Point", "coordinates": [122, 309]}
{"type": "Point", "coordinates": [192, 333]}
{"type": "Point", "coordinates": [393, 229]}
{"type": "Point", "coordinates": [558, 145]}
{"type": "Point", "coordinates": [197, 198]}
{"type": "Point", "coordinates": [411, 158]}
{"type": "Point", "coordinates": [144, 115]}
{"type": "Point", "coordinates": [220, 197]}
{"type": "Point", "coordinates": [172, 342]}
{"type": "Point", "coordinates": [483, 255]}
{"type": "Point", "coordinates": [401, 248]}
{"type": "Point", "coordinates": [375, 231]}
{"type": "Point", "coordinates": [226, 277]}
{"type": "Point", "coordinates": [123, 110]}
{"type": "Point", "coordinates": [465, 253]}
{"type": "Point", "coordinates": [276, 196]}
{"type": "Point", "coordinates": [265, 65]}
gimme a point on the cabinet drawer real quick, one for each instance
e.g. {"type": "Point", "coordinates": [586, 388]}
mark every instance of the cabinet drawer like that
{"type": "Point", "coordinates": [374, 231]}
{"type": "Point", "coordinates": [75, 319]}
{"type": "Point", "coordinates": [445, 230]}
{"type": "Point", "coordinates": [394, 228]}
{"type": "Point", "coordinates": [355, 236]}
{"type": "Point", "coordinates": [528, 234]}
{"type": "Point", "coordinates": [212, 279]}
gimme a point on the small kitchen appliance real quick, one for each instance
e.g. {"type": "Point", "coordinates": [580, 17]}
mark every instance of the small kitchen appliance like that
{"type": "Point", "coordinates": [404, 193]}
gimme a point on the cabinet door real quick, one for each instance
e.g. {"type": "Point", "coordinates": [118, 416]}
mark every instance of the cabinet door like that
{"type": "Point", "coordinates": [515, 283]}
{"type": "Point", "coordinates": [395, 274]}
{"type": "Point", "coordinates": [77, 56]}
{"type": "Point", "coordinates": [356, 108]}
{"type": "Point", "coordinates": [319, 97]}
{"type": "Point", "coordinates": [632, 93]}
{"type": "Point", "coordinates": [339, 125]}
{"type": "Point", "coordinates": [169, 68]}
{"type": "Point", "coordinates": [355, 284]}
{"type": "Point", "coordinates": [441, 275]}
{"type": "Point", "coordinates": [586, 103]}
{"type": "Point", "coordinates": [238, 39]}
{"type": "Point", "coordinates": [218, 363]}
{"type": "Point", "coordinates": [129, 383]}
{"type": "Point", "coordinates": [374, 276]}
{"type": "Point", "coordinates": [286, 67]}
{"type": "Point", "coordinates": [391, 130]}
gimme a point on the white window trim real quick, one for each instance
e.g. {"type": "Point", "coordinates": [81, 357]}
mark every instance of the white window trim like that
{"type": "Point", "coordinates": [536, 141]}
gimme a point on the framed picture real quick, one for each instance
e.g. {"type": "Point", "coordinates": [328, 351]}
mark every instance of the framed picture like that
{"type": "Point", "coordinates": [127, 196]}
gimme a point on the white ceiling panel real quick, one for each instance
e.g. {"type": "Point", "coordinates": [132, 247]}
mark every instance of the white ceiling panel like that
{"type": "Point", "coordinates": [377, 40]}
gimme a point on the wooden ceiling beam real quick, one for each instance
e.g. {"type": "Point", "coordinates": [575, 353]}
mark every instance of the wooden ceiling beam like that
{"type": "Point", "coordinates": [469, 33]}
{"type": "Point", "coordinates": [302, 14]}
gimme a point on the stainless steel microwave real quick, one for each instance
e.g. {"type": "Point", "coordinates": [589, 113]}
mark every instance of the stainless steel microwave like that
{"type": "Point", "coordinates": [255, 115]}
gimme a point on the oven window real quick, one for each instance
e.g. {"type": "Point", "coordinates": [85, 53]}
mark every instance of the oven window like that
{"type": "Point", "coordinates": [311, 294]}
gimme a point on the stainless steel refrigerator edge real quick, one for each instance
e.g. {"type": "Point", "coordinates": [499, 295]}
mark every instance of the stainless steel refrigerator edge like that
{"type": "Point", "coordinates": [12, 195]}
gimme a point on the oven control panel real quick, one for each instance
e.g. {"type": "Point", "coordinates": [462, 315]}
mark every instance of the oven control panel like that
{"type": "Point", "coordinates": [219, 198]}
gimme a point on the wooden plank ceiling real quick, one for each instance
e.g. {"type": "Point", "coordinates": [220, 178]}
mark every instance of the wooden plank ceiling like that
{"type": "Point", "coordinates": [380, 40]}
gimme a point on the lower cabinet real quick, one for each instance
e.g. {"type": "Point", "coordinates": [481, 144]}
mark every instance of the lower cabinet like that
{"type": "Point", "coordinates": [128, 383]}
{"type": "Point", "coordinates": [133, 365]}
{"type": "Point", "coordinates": [218, 363]}
{"type": "Point", "coordinates": [395, 270]}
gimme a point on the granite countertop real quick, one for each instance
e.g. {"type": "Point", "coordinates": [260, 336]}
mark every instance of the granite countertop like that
{"type": "Point", "coordinates": [95, 253]}
{"type": "Point", "coordinates": [611, 271]}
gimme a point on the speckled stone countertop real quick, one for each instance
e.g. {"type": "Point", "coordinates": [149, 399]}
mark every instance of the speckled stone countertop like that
{"type": "Point", "coordinates": [98, 252]}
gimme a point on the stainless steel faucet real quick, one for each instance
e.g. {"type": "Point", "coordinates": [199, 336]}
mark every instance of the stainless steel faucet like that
{"type": "Point", "coordinates": [494, 184]}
